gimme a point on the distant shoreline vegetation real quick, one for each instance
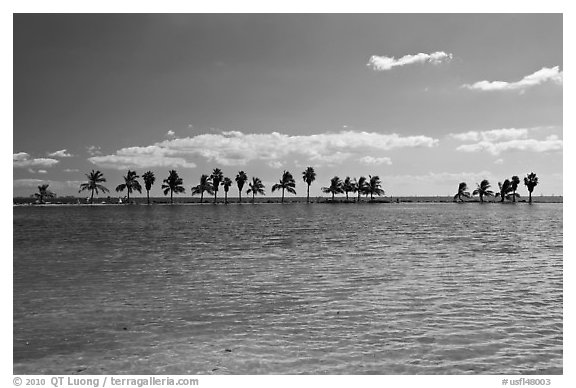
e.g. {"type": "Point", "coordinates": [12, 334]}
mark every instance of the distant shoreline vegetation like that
{"type": "Point", "coordinates": [353, 189]}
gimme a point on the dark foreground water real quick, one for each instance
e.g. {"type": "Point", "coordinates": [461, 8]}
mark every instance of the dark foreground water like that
{"type": "Point", "coordinates": [257, 289]}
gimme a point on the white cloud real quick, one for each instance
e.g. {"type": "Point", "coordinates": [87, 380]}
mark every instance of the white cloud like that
{"type": "Point", "coordinates": [61, 154]}
{"type": "Point", "coordinates": [497, 141]}
{"type": "Point", "coordinates": [42, 171]}
{"type": "Point", "coordinates": [275, 164]}
{"type": "Point", "coordinates": [375, 161]}
{"type": "Point", "coordinates": [94, 150]}
{"type": "Point", "coordinates": [170, 133]}
{"type": "Point", "coordinates": [71, 170]}
{"type": "Point", "coordinates": [124, 162]}
{"type": "Point", "coordinates": [492, 135]}
{"type": "Point", "coordinates": [383, 63]}
{"type": "Point", "coordinates": [517, 145]}
{"type": "Point", "coordinates": [23, 159]}
{"type": "Point", "coordinates": [234, 148]}
{"type": "Point", "coordinates": [499, 161]}
{"type": "Point", "coordinates": [546, 74]}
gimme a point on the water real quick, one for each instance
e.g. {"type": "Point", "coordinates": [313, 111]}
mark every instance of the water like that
{"type": "Point", "coordinates": [288, 289]}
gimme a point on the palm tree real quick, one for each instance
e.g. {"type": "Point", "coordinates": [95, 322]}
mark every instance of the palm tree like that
{"type": "Point", "coordinates": [505, 189]}
{"type": "Point", "coordinates": [348, 186]}
{"type": "Point", "coordinates": [309, 176]}
{"type": "Point", "coordinates": [205, 185]}
{"type": "Point", "coordinates": [256, 187]}
{"type": "Point", "coordinates": [226, 183]}
{"type": "Point", "coordinates": [462, 187]}
{"type": "Point", "coordinates": [360, 186]}
{"type": "Point", "coordinates": [173, 184]}
{"type": "Point", "coordinates": [241, 179]}
{"type": "Point", "coordinates": [530, 181]}
{"type": "Point", "coordinates": [334, 188]}
{"type": "Point", "coordinates": [216, 178]}
{"type": "Point", "coordinates": [514, 186]}
{"type": "Point", "coordinates": [93, 184]}
{"type": "Point", "coordinates": [43, 192]}
{"type": "Point", "coordinates": [373, 186]}
{"type": "Point", "coordinates": [286, 183]}
{"type": "Point", "coordinates": [483, 189]}
{"type": "Point", "coordinates": [149, 180]}
{"type": "Point", "coordinates": [130, 184]}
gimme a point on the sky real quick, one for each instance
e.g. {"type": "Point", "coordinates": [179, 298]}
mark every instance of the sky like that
{"type": "Point", "coordinates": [424, 101]}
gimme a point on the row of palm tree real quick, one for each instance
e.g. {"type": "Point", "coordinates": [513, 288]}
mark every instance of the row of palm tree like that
{"type": "Point", "coordinates": [507, 189]}
{"type": "Point", "coordinates": [210, 184]}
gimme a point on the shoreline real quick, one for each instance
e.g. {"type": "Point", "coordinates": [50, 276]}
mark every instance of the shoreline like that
{"type": "Point", "coordinates": [23, 202]}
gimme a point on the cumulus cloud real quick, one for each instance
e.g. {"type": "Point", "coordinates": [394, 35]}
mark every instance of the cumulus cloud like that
{"type": "Point", "coordinates": [492, 135]}
{"type": "Point", "coordinates": [546, 74]}
{"type": "Point", "coordinates": [375, 161]}
{"type": "Point", "coordinates": [383, 63]}
{"type": "Point", "coordinates": [234, 148]}
{"type": "Point", "coordinates": [61, 154]}
{"type": "Point", "coordinates": [71, 170]}
{"type": "Point", "coordinates": [170, 133]}
{"type": "Point", "coordinates": [533, 145]}
{"type": "Point", "coordinates": [497, 141]}
{"type": "Point", "coordinates": [94, 150]}
{"type": "Point", "coordinates": [23, 159]}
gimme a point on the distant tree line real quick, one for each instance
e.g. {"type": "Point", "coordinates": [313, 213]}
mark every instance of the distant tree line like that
{"type": "Point", "coordinates": [210, 184]}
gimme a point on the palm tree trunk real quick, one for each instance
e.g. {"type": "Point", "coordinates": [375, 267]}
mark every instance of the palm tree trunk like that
{"type": "Point", "coordinates": [215, 192]}
{"type": "Point", "coordinates": [346, 196]}
{"type": "Point", "coordinates": [201, 196]}
{"type": "Point", "coordinates": [239, 195]}
{"type": "Point", "coordinates": [128, 192]}
{"type": "Point", "coordinates": [92, 197]}
{"type": "Point", "coordinates": [529, 196]}
{"type": "Point", "coordinates": [308, 195]}
{"type": "Point", "coordinates": [481, 199]}
{"type": "Point", "coordinates": [253, 197]}
{"type": "Point", "coordinates": [282, 195]}
{"type": "Point", "coordinates": [514, 196]}
{"type": "Point", "coordinates": [359, 195]}
{"type": "Point", "coordinates": [171, 197]}
{"type": "Point", "coordinates": [148, 196]}
{"type": "Point", "coordinates": [332, 196]}
{"type": "Point", "coordinates": [225, 198]}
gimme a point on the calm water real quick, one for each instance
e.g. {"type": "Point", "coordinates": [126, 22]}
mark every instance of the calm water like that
{"type": "Point", "coordinates": [317, 289]}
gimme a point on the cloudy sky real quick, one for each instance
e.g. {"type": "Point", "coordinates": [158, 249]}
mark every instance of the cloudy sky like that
{"type": "Point", "coordinates": [423, 101]}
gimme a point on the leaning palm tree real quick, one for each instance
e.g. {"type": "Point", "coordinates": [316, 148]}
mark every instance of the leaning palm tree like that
{"type": "Point", "coordinates": [226, 183]}
{"type": "Point", "coordinates": [241, 179]}
{"type": "Point", "coordinates": [93, 184]}
{"type": "Point", "coordinates": [373, 186]}
{"type": "Point", "coordinates": [216, 178]}
{"type": "Point", "coordinates": [483, 189]}
{"type": "Point", "coordinates": [334, 188]}
{"type": "Point", "coordinates": [205, 185]}
{"type": "Point", "coordinates": [505, 190]}
{"type": "Point", "coordinates": [130, 184]}
{"type": "Point", "coordinates": [515, 181]}
{"type": "Point", "coordinates": [530, 181]}
{"type": "Point", "coordinates": [256, 187]}
{"type": "Point", "coordinates": [286, 183]}
{"type": "Point", "coordinates": [462, 187]}
{"type": "Point", "coordinates": [348, 186]}
{"type": "Point", "coordinates": [43, 192]}
{"type": "Point", "coordinates": [149, 180]}
{"type": "Point", "coordinates": [173, 184]}
{"type": "Point", "coordinates": [360, 186]}
{"type": "Point", "coordinates": [309, 176]}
